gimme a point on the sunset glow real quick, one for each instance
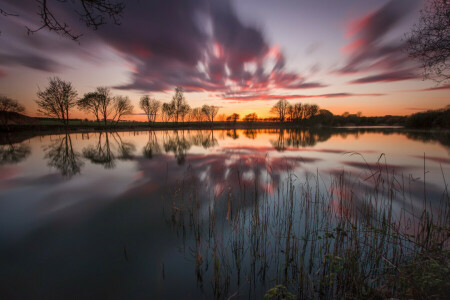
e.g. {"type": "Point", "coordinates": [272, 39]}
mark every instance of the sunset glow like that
{"type": "Point", "coordinates": [242, 56]}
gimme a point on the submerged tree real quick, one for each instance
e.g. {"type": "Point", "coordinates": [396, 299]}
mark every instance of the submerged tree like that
{"type": "Point", "coordinates": [7, 106]}
{"type": "Point", "coordinates": [57, 99]}
{"type": "Point", "coordinates": [429, 40]}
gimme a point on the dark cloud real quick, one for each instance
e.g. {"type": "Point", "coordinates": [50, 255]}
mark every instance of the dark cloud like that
{"type": "Point", "coordinates": [200, 45]}
{"type": "Point", "coordinates": [370, 51]}
{"type": "Point", "coordinates": [387, 77]}
{"type": "Point", "coordinates": [31, 61]}
{"type": "Point", "coordinates": [437, 88]}
{"type": "Point", "coordinates": [271, 97]}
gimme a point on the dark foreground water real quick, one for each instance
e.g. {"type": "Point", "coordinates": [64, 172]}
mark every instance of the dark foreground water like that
{"type": "Point", "coordinates": [129, 214]}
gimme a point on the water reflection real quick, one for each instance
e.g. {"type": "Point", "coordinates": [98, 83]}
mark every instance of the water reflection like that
{"type": "Point", "coordinates": [109, 148]}
{"type": "Point", "coordinates": [152, 147]}
{"type": "Point", "coordinates": [61, 155]}
{"type": "Point", "coordinates": [13, 153]}
{"type": "Point", "coordinates": [179, 142]}
{"type": "Point", "coordinates": [116, 218]}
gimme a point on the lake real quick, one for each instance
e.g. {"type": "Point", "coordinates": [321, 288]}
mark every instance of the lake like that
{"type": "Point", "coordinates": [202, 214]}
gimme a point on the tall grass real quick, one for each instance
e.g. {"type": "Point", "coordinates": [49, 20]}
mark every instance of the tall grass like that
{"type": "Point", "coordinates": [350, 238]}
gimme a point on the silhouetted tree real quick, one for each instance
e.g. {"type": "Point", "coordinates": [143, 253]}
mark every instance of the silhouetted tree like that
{"type": "Point", "coordinates": [93, 13]}
{"type": "Point", "coordinates": [280, 109]}
{"type": "Point", "coordinates": [150, 107]}
{"type": "Point", "coordinates": [122, 106]}
{"type": "Point", "coordinates": [233, 117]}
{"type": "Point", "coordinates": [429, 40]}
{"type": "Point", "coordinates": [196, 114]}
{"type": "Point", "coordinates": [178, 103]}
{"type": "Point", "coordinates": [167, 112]}
{"type": "Point", "coordinates": [184, 111]}
{"type": "Point", "coordinates": [90, 103]}
{"type": "Point", "coordinates": [253, 117]}
{"type": "Point", "coordinates": [106, 102]}
{"type": "Point", "coordinates": [7, 106]}
{"type": "Point", "coordinates": [210, 111]}
{"type": "Point", "coordinates": [57, 99]}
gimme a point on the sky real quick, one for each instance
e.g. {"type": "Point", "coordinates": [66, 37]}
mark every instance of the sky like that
{"type": "Point", "coordinates": [242, 55]}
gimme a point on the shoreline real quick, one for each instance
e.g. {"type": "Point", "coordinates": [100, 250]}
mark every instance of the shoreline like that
{"type": "Point", "coordinates": [180, 126]}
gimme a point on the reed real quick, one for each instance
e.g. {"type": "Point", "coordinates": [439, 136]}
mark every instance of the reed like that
{"type": "Point", "coordinates": [348, 238]}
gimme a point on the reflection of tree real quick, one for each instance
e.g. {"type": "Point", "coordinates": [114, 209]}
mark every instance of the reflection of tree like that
{"type": "Point", "coordinates": [299, 138]}
{"type": "Point", "coordinates": [205, 139]}
{"type": "Point", "coordinates": [441, 137]}
{"type": "Point", "coordinates": [13, 153]}
{"type": "Point", "coordinates": [178, 145]}
{"type": "Point", "coordinates": [61, 156]}
{"type": "Point", "coordinates": [233, 134]}
{"type": "Point", "coordinates": [152, 147]}
{"type": "Point", "coordinates": [251, 133]}
{"type": "Point", "coordinates": [109, 148]}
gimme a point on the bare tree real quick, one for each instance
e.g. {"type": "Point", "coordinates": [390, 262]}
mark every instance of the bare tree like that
{"type": "Point", "coordinates": [122, 106]}
{"type": "Point", "coordinates": [233, 117]}
{"type": "Point", "coordinates": [253, 117]}
{"type": "Point", "coordinates": [167, 112]}
{"type": "Point", "coordinates": [210, 111]}
{"type": "Point", "coordinates": [429, 40]}
{"type": "Point", "coordinates": [150, 106]}
{"type": "Point", "coordinates": [57, 99]}
{"type": "Point", "coordinates": [280, 109]}
{"type": "Point", "coordinates": [90, 103]}
{"type": "Point", "coordinates": [178, 103]}
{"type": "Point", "coordinates": [7, 106]}
{"type": "Point", "coordinates": [106, 102]}
{"type": "Point", "coordinates": [184, 111]}
{"type": "Point", "coordinates": [93, 13]}
{"type": "Point", "coordinates": [197, 114]}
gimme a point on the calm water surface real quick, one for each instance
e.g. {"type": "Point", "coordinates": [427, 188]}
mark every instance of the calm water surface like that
{"type": "Point", "coordinates": [88, 215]}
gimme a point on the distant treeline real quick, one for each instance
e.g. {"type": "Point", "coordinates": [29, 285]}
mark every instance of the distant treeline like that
{"type": "Point", "coordinates": [439, 118]}
{"type": "Point", "coordinates": [57, 101]}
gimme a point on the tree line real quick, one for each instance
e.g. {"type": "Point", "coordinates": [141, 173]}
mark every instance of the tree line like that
{"type": "Point", "coordinates": [59, 98]}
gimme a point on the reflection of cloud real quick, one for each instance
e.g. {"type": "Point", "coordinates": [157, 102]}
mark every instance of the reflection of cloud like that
{"type": "Point", "coordinates": [437, 159]}
{"type": "Point", "coordinates": [375, 166]}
